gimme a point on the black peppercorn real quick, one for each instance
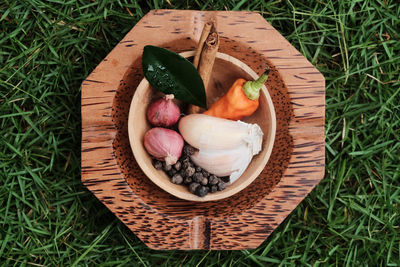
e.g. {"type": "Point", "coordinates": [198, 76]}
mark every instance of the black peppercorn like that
{"type": "Point", "coordinates": [193, 186]}
{"type": "Point", "coordinates": [188, 180]}
{"type": "Point", "coordinates": [225, 179]}
{"type": "Point", "coordinates": [166, 167]}
{"type": "Point", "coordinates": [197, 177]}
{"type": "Point", "coordinates": [213, 189]}
{"type": "Point", "coordinates": [178, 165]}
{"type": "Point", "coordinates": [189, 171]}
{"type": "Point", "coordinates": [177, 179]}
{"type": "Point", "coordinates": [221, 186]}
{"type": "Point", "coordinates": [157, 164]}
{"type": "Point", "coordinates": [188, 150]}
{"type": "Point", "coordinates": [172, 172]}
{"type": "Point", "coordinates": [213, 180]}
{"type": "Point", "coordinates": [184, 171]}
{"type": "Point", "coordinates": [186, 165]}
{"type": "Point", "coordinates": [205, 173]}
{"type": "Point", "coordinates": [201, 191]}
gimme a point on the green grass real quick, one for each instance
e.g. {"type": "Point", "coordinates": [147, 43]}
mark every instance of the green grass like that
{"type": "Point", "coordinates": [47, 218]}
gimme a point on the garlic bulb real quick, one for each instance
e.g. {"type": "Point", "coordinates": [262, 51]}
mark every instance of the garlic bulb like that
{"type": "Point", "coordinates": [226, 147]}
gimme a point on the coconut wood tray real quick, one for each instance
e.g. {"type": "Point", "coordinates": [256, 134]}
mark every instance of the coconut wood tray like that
{"type": "Point", "coordinates": [246, 219]}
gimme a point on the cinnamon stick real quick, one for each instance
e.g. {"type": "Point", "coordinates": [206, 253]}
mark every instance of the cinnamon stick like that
{"type": "Point", "coordinates": [207, 51]}
{"type": "Point", "coordinates": [207, 60]}
{"type": "Point", "coordinates": [203, 37]}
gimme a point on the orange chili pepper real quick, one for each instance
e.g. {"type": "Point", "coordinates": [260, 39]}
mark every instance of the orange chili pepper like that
{"type": "Point", "coordinates": [240, 101]}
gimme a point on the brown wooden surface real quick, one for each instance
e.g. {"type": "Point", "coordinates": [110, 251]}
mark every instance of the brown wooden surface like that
{"type": "Point", "coordinates": [244, 220]}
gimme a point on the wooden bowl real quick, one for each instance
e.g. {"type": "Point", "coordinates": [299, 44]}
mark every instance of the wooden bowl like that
{"type": "Point", "coordinates": [225, 71]}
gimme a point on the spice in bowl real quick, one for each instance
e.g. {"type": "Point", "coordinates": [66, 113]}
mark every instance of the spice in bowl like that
{"type": "Point", "coordinates": [185, 172]}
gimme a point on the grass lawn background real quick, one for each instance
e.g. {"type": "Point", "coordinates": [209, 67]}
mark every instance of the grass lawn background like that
{"type": "Point", "coordinates": [47, 218]}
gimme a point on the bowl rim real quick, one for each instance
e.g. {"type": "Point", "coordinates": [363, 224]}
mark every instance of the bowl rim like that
{"type": "Point", "coordinates": [186, 195]}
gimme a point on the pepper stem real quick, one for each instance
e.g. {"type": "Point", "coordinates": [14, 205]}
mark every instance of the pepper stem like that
{"type": "Point", "coordinates": [252, 88]}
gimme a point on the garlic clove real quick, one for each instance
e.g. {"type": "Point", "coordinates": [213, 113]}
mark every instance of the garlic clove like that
{"type": "Point", "coordinates": [232, 162]}
{"type": "Point", "coordinates": [218, 162]}
{"type": "Point", "coordinates": [208, 132]}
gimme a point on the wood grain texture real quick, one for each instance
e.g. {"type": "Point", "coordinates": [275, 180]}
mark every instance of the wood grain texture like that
{"type": "Point", "coordinates": [244, 220]}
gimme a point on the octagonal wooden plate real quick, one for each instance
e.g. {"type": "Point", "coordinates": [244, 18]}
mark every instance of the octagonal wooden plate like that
{"type": "Point", "coordinates": [246, 219]}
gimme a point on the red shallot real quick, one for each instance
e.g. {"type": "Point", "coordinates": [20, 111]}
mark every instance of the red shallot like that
{"type": "Point", "coordinates": [163, 112]}
{"type": "Point", "coordinates": [164, 144]}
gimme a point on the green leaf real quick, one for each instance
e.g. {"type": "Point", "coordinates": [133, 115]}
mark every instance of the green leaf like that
{"type": "Point", "coordinates": [173, 74]}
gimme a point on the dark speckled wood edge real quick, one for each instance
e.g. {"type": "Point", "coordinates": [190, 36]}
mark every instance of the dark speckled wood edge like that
{"type": "Point", "coordinates": [246, 219]}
